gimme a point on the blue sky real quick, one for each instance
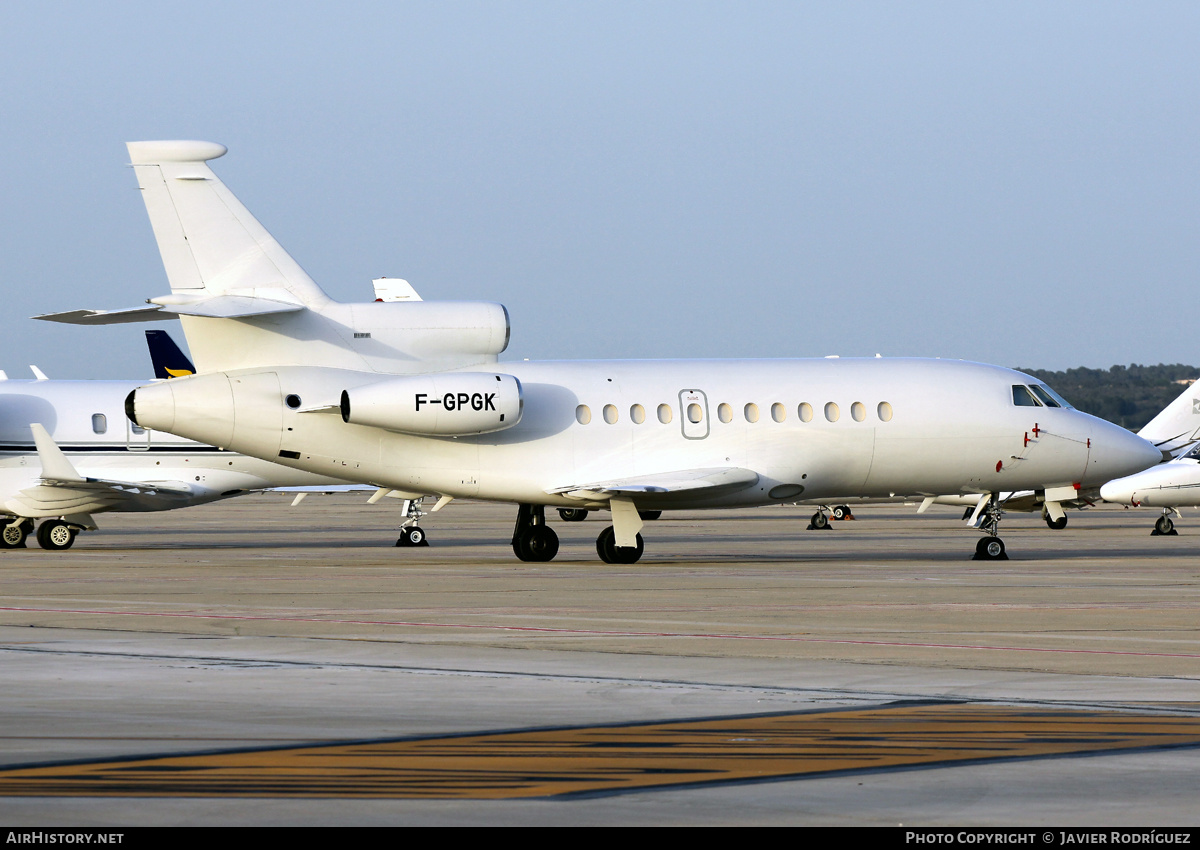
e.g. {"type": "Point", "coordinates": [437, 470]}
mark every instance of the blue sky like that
{"type": "Point", "coordinates": [1015, 183]}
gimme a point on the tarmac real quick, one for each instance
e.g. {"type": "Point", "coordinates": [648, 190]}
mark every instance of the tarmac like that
{"type": "Point", "coordinates": [253, 663]}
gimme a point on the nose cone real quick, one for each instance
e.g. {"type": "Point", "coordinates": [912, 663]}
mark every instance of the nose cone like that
{"type": "Point", "coordinates": [1120, 490]}
{"type": "Point", "coordinates": [1116, 453]}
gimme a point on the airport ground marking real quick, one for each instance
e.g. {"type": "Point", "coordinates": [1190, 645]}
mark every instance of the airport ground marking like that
{"type": "Point", "coordinates": [625, 758]}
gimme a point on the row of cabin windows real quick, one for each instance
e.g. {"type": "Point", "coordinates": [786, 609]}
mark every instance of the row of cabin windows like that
{"type": "Point", "coordinates": [695, 413]}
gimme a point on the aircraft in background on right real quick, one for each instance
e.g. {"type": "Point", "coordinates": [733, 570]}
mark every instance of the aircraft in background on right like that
{"type": "Point", "coordinates": [1172, 485]}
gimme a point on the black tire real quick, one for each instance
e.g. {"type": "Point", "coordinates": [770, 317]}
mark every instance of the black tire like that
{"type": "Point", "coordinates": [990, 549]}
{"type": "Point", "coordinates": [572, 514]}
{"type": "Point", "coordinates": [819, 520]}
{"type": "Point", "coordinates": [611, 553]}
{"type": "Point", "coordinates": [649, 516]}
{"type": "Point", "coordinates": [412, 536]}
{"type": "Point", "coordinates": [1056, 524]}
{"type": "Point", "coordinates": [541, 543]}
{"type": "Point", "coordinates": [56, 535]}
{"type": "Point", "coordinates": [13, 536]}
{"type": "Point", "coordinates": [1164, 525]}
{"type": "Point", "coordinates": [842, 512]}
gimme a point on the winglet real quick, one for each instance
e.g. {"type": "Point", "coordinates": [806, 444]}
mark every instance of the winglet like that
{"type": "Point", "coordinates": [55, 465]}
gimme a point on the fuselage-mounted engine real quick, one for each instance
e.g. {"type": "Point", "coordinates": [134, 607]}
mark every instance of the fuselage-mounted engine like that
{"type": "Point", "coordinates": [453, 404]}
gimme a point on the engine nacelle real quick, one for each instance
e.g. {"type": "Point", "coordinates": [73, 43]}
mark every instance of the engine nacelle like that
{"type": "Point", "coordinates": [450, 404]}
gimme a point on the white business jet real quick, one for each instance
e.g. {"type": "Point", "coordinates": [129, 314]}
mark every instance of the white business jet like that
{"type": "Point", "coordinates": [1173, 485]}
{"type": "Point", "coordinates": [67, 451]}
{"type": "Point", "coordinates": [409, 396]}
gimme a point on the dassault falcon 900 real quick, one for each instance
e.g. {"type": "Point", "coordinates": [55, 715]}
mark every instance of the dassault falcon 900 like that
{"type": "Point", "coordinates": [409, 396]}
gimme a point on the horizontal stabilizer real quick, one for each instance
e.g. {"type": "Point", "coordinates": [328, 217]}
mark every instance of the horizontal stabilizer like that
{"type": "Point", "coordinates": [217, 307]}
{"type": "Point", "coordinates": [108, 317]}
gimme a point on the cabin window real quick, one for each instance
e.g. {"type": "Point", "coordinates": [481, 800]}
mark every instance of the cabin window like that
{"type": "Point", "coordinates": [137, 429]}
{"type": "Point", "coordinates": [583, 414]}
{"type": "Point", "coordinates": [724, 412]}
{"type": "Point", "coordinates": [778, 412]}
{"type": "Point", "coordinates": [885, 411]}
{"type": "Point", "coordinates": [694, 413]}
{"type": "Point", "coordinates": [610, 414]}
{"type": "Point", "coordinates": [805, 412]}
{"type": "Point", "coordinates": [832, 412]}
{"type": "Point", "coordinates": [638, 414]}
{"type": "Point", "coordinates": [858, 411]}
{"type": "Point", "coordinates": [1044, 396]}
{"type": "Point", "coordinates": [99, 423]}
{"type": "Point", "coordinates": [751, 412]}
{"type": "Point", "coordinates": [664, 414]}
{"type": "Point", "coordinates": [1022, 397]}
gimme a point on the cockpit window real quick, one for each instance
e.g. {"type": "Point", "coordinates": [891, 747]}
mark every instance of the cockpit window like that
{"type": "Point", "coordinates": [1062, 402]}
{"type": "Point", "coordinates": [1044, 395]}
{"type": "Point", "coordinates": [1022, 397]}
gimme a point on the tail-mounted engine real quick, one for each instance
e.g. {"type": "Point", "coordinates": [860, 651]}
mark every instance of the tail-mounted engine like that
{"type": "Point", "coordinates": [447, 404]}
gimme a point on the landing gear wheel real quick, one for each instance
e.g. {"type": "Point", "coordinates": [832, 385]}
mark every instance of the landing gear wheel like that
{"type": "Point", "coordinates": [842, 512]}
{"type": "Point", "coordinates": [537, 543]}
{"type": "Point", "coordinates": [649, 515]}
{"type": "Point", "coordinates": [55, 534]}
{"type": "Point", "coordinates": [990, 549]}
{"type": "Point", "coordinates": [1056, 524]}
{"type": "Point", "coordinates": [412, 536]}
{"type": "Point", "coordinates": [818, 522]}
{"type": "Point", "coordinates": [1164, 526]}
{"type": "Point", "coordinates": [611, 553]}
{"type": "Point", "coordinates": [572, 514]}
{"type": "Point", "coordinates": [13, 536]}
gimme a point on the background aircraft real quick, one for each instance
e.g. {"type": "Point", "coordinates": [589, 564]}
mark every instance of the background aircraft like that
{"type": "Point", "coordinates": [408, 396]}
{"type": "Point", "coordinates": [67, 451]}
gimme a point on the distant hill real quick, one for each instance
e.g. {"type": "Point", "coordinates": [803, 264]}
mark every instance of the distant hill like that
{"type": "Point", "coordinates": [1127, 395]}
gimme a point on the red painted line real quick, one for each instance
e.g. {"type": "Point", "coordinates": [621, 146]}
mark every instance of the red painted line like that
{"type": "Point", "coordinates": [549, 630]}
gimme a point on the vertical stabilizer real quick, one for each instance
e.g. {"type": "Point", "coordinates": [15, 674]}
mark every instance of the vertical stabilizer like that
{"type": "Point", "coordinates": [211, 244]}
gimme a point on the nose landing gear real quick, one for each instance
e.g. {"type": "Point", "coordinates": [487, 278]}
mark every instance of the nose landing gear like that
{"type": "Point", "coordinates": [987, 519]}
{"type": "Point", "coordinates": [1164, 526]}
{"type": "Point", "coordinates": [410, 533]}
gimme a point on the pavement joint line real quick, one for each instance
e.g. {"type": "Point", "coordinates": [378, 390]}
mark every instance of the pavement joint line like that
{"type": "Point", "coordinates": [1183, 709]}
{"type": "Point", "coordinates": [597, 632]}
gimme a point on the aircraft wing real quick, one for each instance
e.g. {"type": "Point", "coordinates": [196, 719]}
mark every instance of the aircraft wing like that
{"type": "Point", "coordinates": [61, 490]}
{"type": "Point", "coordinates": [664, 486]}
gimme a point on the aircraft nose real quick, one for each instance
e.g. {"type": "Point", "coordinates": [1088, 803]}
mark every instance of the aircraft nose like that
{"type": "Point", "coordinates": [1116, 453]}
{"type": "Point", "coordinates": [1118, 492]}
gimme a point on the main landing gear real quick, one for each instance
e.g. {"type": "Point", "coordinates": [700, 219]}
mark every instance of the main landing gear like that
{"type": "Point", "coordinates": [1164, 526]}
{"type": "Point", "coordinates": [820, 520]}
{"type": "Point", "coordinates": [533, 540]}
{"type": "Point", "coordinates": [12, 536]}
{"type": "Point", "coordinates": [412, 534]}
{"type": "Point", "coordinates": [991, 547]}
{"type": "Point", "coordinates": [53, 534]}
{"type": "Point", "coordinates": [611, 553]}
